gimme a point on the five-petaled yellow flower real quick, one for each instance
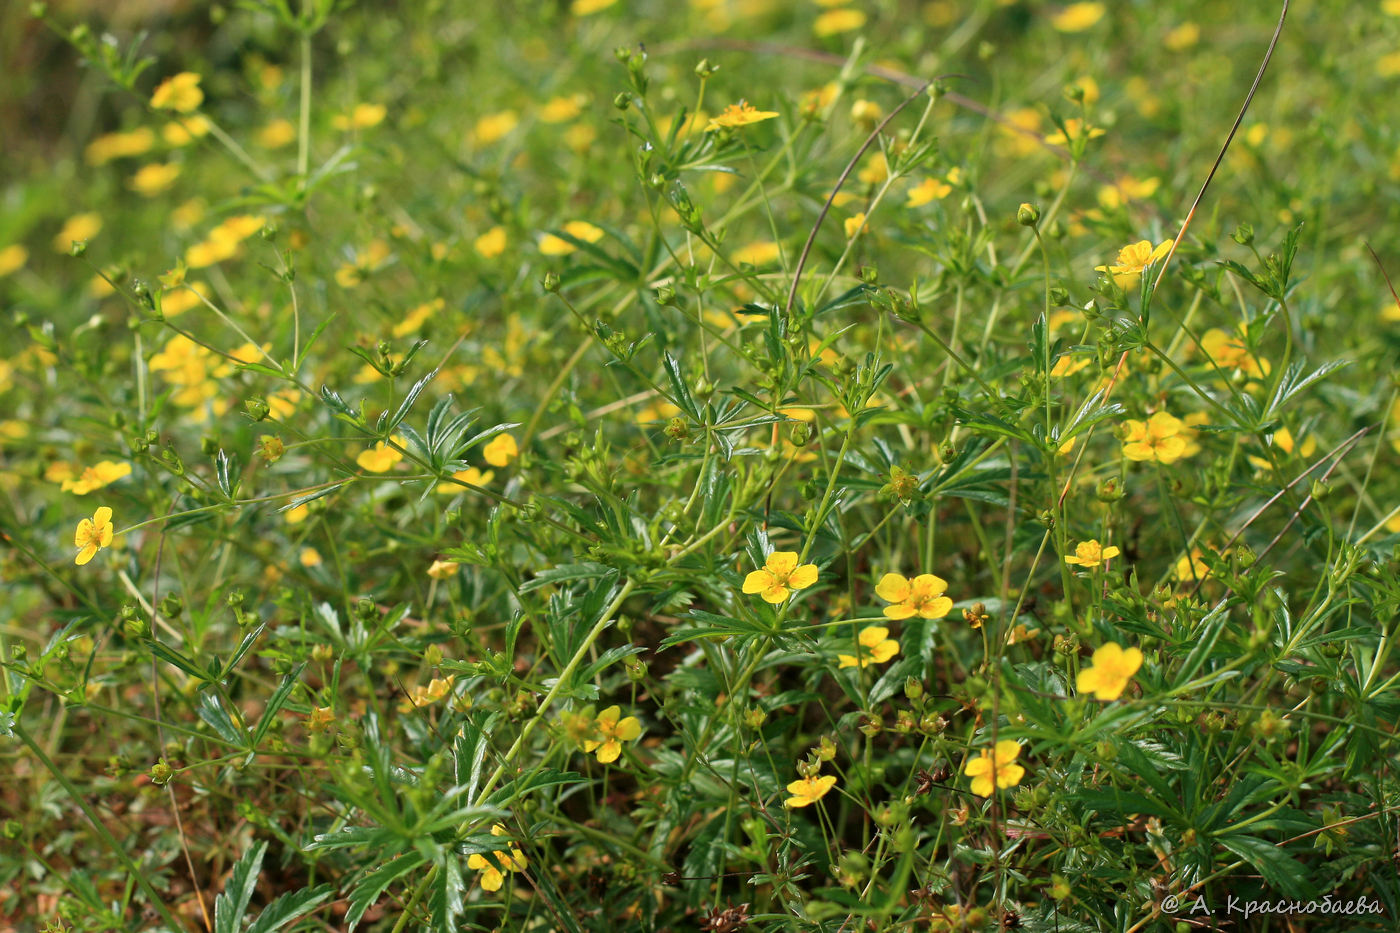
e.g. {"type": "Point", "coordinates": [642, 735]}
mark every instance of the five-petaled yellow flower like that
{"type": "Point", "coordinates": [809, 790]}
{"type": "Point", "coordinates": [876, 647]}
{"type": "Point", "coordinates": [1133, 259]}
{"type": "Point", "coordinates": [741, 114]}
{"type": "Point", "coordinates": [493, 869]}
{"type": "Point", "coordinates": [1089, 554]}
{"type": "Point", "coordinates": [1162, 437]}
{"type": "Point", "coordinates": [381, 457]}
{"type": "Point", "coordinates": [780, 575]}
{"type": "Point", "coordinates": [93, 534]}
{"type": "Point", "coordinates": [614, 731]}
{"type": "Point", "coordinates": [921, 596]}
{"type": "Point", "coordinates": [1111, 667]}
{"type": "Point", "coordinates": [993, 769]}
{"type": "Point", "coordinates": [178, 92]}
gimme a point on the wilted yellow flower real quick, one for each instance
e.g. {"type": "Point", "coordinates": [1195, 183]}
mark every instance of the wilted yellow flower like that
{"type": "Point", "coordinates": [834, 22]}
{"type": "Point", "coordinates": [152, 179]}
{"type": "Point", "coordinates": [100, 474]}
{"type": "Point", "coordinates": [1077, 17]}
{"type": "Point", "coordinates": [876, 647]}
{"type": "Point", "coordinates": [740, 114]}
{"type": "Point", "coordinates": [1110, 669]}
{"type": "Point", "coordinates": [993, 769]}
{"type": "Point", "coordinates": [809, 790]}
{"type": "Point", "coordinates": [500, 450]}
{"type": "Point", "coordinates": [381, 457]}
{"type": "Point", "coordinates": [179, 92]}
{"type": "Point", "coordinates": [76, 229]}
{"type": "Point", "coordinates": [613, 730]}
{"type": "Point", "coordinates": [491, 243]}
{"type": "Point", "coordinates": [921, 596]}
{"type": "Point", "coordinates": [93, 534]}
{"type": "Point", "coordinates": [779, 576]}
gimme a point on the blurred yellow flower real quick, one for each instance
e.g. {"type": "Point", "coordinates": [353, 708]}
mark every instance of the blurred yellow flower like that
{"type": "Point", "coordinates": [179, 92]}
{"type": "Point", "coordinates": [361, 117]}
{"type": "Point", "coordinates": [928, 191]}
{"type": "Point", "coordinates": [1182, 37]}
{"type": "Point", "coordinates": [1388, 65]}
{"type": "Point", "coordinates": [13, 258]}
{"type": "Point", "coordinates": [779, 576]}
{"type": "Point", "coordinates": [176, 301]}
{"type": "Point", "coordinates": [614, 732]}
{"type": "Point", "coordinates": [551, 245]}
{"type": "Point", "coordinates": [1230, 352]}
{"type": "Point", "coordinates": [276, 134]}
{"type": "Point", "coordinates": [921, 596]}
{"type": "Point", "coordinates": [993, 769]}
{"type": "Point", "coordinates": [854, 224]}
{"type": "Point", "coordinates": [758, 253]}
{"type": "Point", "coordinates": [876, 647]}
{"type": "Point", "coordinates": [562, 109]}
{"type": "Point", "coordinates": [740, 114]}
{"type": "Point", "coordinates": [834, 22]}
{"type": "Point", "coordinates": [1075, 128]}
{"type": "Point", "coordinates": [381, 457]}
{"type": "Point", "coordinates": [92, 535]}
{"type": "Point", "coordinates": [151, 180]}
{"type": "Point", "coordinates": [500, 450]}
{"type": "Point", "coordinates": [1077, 17]}
{"type": "Point", "coordinates": [585, 7]}
{"type": "Point", "coordinates": [470, 475]}
{"type": "Point", "coordinates": [493, 126]}
{"type": "Point", "coordinates": [491, 243]}
{"type": "Point", "coordinates": [76, 229]}
{"type": "Point", "coordinates": [1111, 667]}
{"type": "Point", "coordinates": [414, 320]}
{"type": "Point", "coordinates": [185, 131]}
{"type": "Point", "coordinates": [111, 146]}
{"type": "Point", "coordinates": [100, 474]}
{"type": "Point", "coordinates": [809, 790]}
{"type": "Point", "coordinates": [1127, 189]}
{"type": "Point", "coordinates": [443, 569]}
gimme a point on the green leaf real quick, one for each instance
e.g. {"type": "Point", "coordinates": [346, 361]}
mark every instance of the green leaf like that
{"type": "Point", "coordinates": [289, 907]}
{"type": "Point", "coordinates": [372, 885]}
{"type": "Point", "coordinates": [230, 905]}
{"type": "Point", "coordinates": [275, 704]}
{"type": "Point", "coordinates": [1282, 873]}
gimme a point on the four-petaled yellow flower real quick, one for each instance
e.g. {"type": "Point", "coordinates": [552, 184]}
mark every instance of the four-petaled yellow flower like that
{"type": "Point", "coordinates": [1162, 437]}
{"type": "Point", "coordinates": [921, 596]}
{"type": "Point", "coordinates": [179, 92]}
{"type": "Point", "coordinates": [96, 476]}
{"type": "Point", "coordinates": [381, 457]}
{"type": "Point", "coordinates": [809, 790]}
{"type": "Point", "coordinates": [493, 869]}
{"type": "Point", "coordinates": [1133, 259]}
{"type": "Point", "coordinates": [500, 450]}
{"type": "Point", "coordinates": [614, 732]}
{"type": "Point", "coordinates": [1111, 667]}
{"type": "Point", "coordinates": [780, 575]}
{"type": "Point", "coordinates": [876, 647]}
{"type": "Point", "coordinates": [740, 114]}
{"type": "Point", "coordinates": [993, 769]}
{"type": "Point", "coordinates": [1089, 554]}
{"type": "Point", "coordinates": [93, 534]}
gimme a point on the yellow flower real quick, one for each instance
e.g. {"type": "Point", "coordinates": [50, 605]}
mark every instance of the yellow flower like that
{"type": "Point", "coordinates": [442, 569]}
{"type": "Point", "coordinates": [853, 225]}
{"type": "Point", "coordinates": [614, 731]}
{"type": "Point", "coordinates": [875, 171]}
{"type": "Point", "coordinates": [13, 258]}
{"type": "Point", "coordinates": [1284, 441]}
{"type": "Point", "coordinates": [1229, 352]}
{"type": "Point", "coordinates": [96, 476]}
{"type": "Point", "coordinates": [1075, 128]}
{"type": "Point", "coordinates": [309, 557]}
{"type": "Point", "coordinates": [321, 718]}
{"type": "Point", "coordinates": [421, 696]}
{"type": "Point", "coordinates": [500, 450]}
{"type": "Point", "coordinates": [1182, 37]}
{"type": "Point", "coordinates": [493, 870]}
{"type": "Point", "coordinates": [990, 770]}
{"type": "Point", "coordinates": [1111, 667]}
{"type": "Point", "coordinates": [470, 475]}
{"type": "Point", "coordinates": [758, 253]}
{"type": "Point", "coordinates": [491, 243]}
{"type": "Point", "coordinates": [111, 146]}
{"type": "Point", "coordinates": [183, 132]}
{"type": "Point", "coordinates": [93, 534]}
{"type": "Point", "coordinates": [493, 126]}
{"type": "Point", "coordinates": [1191, 567]}
{"type": "Point", "coordinates": [276, 134]}
{"type": "Point", "coordinates": [561, 109]}
{"type": "Point", "coordinates": [1162, 438]}
{"type": "Point", "coordinates": [77, 229]}
{"type": "Point", "coordinates": [1127, 188]}
{"type": "Point", "coordinates": [152, 179]}
{"type": "Point", "coordinates": [1090, 554]}
{"type": "Point", "coordinates": [1077, 17]}
{"type": "Point", "coordinates": [809, 790]}
{"type": "Point", "coordinates": [1133, 259]}
{"type": "Point", "coordinates": [211, 251]}
{"type": "Point", "coordinates": [834, 22]}
{"type": "Point", "coordinates": [297, 514]}
{"type": "Point", "coordinates": [179, 92]}
{"type": "Point", "coordinates": [1388, 66]}
{"type": "Point", "coordinates": [877, 647]}
{"type": "Point", "coordinates": [928, 191]}
{"type": "Point", "coordinates": [414, 320]}
{"type": "Point", "coordinates": [780, 576]}
{"type": "Point", "coordinates": [362, 117]}
{"type": "Point", "coordinates": [381, 457]}
{"type": "Point", "coordinates": [921, 596]}
{"type": "Point", "coordinates": [741, 114]}
{"type": "Point", "coordinates": [177, 301]}
{"type": "Point", "coordinates": [551, 245]}
{"type": "Point", "coordinates": [586, 7]}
